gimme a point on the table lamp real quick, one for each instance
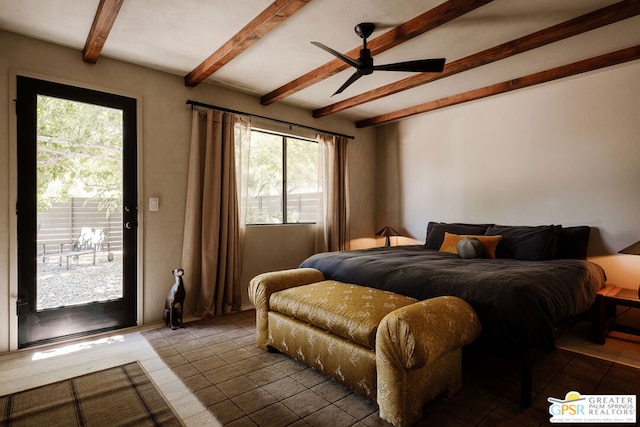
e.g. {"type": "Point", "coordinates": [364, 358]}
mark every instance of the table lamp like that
{"type": "Point", "coordinates": [632, 250]}
{"type": "Point", "coordinates": [387, 232]}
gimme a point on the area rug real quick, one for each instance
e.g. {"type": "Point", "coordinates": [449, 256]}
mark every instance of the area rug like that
{"type": "Point", "coordinates": [118, 396]}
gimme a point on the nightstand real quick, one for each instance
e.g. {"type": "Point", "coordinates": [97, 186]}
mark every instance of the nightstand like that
{"type": "Point", "coordinates": [604, 314]}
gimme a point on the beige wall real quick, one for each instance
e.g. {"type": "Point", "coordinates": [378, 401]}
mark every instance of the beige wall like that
{"type": "Point", "coordinates": [566, 152]}
{"type": "Point", "coordinates": [164, 131]}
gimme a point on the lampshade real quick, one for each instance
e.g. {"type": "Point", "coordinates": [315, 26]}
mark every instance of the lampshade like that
{"type": "Point", "coordinates": [631, 250]}
{"type": "Point", "coordinates": [387, 231]}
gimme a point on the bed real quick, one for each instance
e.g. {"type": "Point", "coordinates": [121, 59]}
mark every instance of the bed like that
{"type": "Point", "coordinates": [526, 282]}
{"type": "Point", "coordinates": [537, 277]}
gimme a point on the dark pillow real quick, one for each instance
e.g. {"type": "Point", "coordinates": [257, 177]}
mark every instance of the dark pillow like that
{"type": "Point", "coordinates": [436, 230]}
{"type": "Point", "coordinates": [573, 242]}
{"type": "Point", "coordinates": [526, 243]}
{"type": "Point", "coordinates": [471, 247]}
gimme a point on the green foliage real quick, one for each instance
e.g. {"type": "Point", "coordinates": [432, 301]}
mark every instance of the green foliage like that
{"type": "Point", "coordinates": [79, 152]}
{"type": "Point", "coordinates": [266, 176]}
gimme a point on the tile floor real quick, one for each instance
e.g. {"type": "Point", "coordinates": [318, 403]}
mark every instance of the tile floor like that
{"type": "Point", "coordinates": [233, 346]}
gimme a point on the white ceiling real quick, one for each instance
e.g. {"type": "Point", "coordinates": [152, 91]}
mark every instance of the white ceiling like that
{"type": "Point", "coordinates": [177, 35]}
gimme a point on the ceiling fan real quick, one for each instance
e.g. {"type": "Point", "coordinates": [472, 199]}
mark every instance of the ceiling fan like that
{"type": "Point", "coordinates": [364, 64]}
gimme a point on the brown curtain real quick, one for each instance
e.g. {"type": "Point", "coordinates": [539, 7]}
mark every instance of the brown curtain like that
{"type": "Point", "coordinates": [332, 226]}
{"type": "Point", "coordinates": [214, 232]}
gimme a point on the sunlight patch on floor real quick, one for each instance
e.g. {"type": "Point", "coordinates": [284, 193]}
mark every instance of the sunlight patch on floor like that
{"type": "Point", "coordinates": [72, 348]}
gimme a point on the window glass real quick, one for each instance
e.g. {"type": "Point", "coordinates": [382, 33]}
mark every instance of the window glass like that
{"type": "Point", "coordinates": [272, 199]}
{"type": "Point", "coordinates": [302, 180]}
{"type": "Point", "coordinates": [264, 204]}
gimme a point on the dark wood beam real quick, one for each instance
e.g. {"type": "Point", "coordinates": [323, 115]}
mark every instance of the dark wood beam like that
{"type": "Point", "coordinates": [427, 21]}
{"type": "Point", "coordinates": [100, 29]}
{"type": "Point", "coordinates": [599, 18]}
{"type": "Point", "coordinates": [563, 71]}
{"type": "Point", "coordinates": [266, 21]}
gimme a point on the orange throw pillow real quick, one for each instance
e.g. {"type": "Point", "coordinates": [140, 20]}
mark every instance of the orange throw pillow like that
{"type": "Point", "coordinates": [451, 241]}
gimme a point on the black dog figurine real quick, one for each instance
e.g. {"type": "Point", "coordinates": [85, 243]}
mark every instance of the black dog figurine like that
{"type": "Point", "coordinates": [175, 301]}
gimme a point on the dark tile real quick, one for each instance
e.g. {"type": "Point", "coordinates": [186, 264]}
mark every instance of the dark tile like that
{"type": "Point", "coordinates": [621, 385]}
{"type": "Point", "coordinates": [276, 415]}
{"type": "Point", "coordinates": [287, 365]}
{"type": "Point", "coordinates": [254, 400]}
{"type": "Point", "coordinates": [209, 363]}
{"type": "Point", "coordinates": [235, 355]}
{"type": "Point", "coordinates": [265, 376]}
{"type": "Point", "coordinates": [175, 360]}
{"type": "Point", "coordinates": [338, 417]}
{"type": "Point", "coordinates": [177, 336]}
{"type": "Point", "coordinates": [223, 346]}
{"type": "Point", "coordinates": [222, 374]}
{"type": "Point", "coordinates": [468, 412]}
{"type": "Point", "coordinates": [167, 351]}
{"type": "Point", "coordinates": [442, 419]}
{"type": "Point", "coordinates": [190, 345]}
{"type": "Point", "coordinates": [585, 385]}
{"type": "Point", "coordinates": [532, 416]}
{"type": "Point", "coordinates": [374, 420]}
{"type": "Point", "coordinates": [236, 386]}
{"type": "Point", "coordinates": [305, 403]}
{"type": "Point", "coordinates": [357, 406]}
{"type": "Point", "coordinates": [210, 396]}
{"type": "Point", "coordinates": [251, 364]}
{"type": "Point", "coordinates": [309, 377]}
{"type": "Point", "coordinates": [185, 371]}
{"type": "Point", "coordinates": [625, 372]}
{"type": "Point", "coordinates": [197, 354]}
{"type": "Point", "coordinates": [196, 383]}
{"type": "Point", "coordinates": [242, 422]}
{"type": "Point", "coordinates": [285, 387]}
{"type": "Point", "coordinates": [226, 411]}
{"type": "Point", "coordinates": [299, 423]}
{"type": "Point", "coordinates": [497, 420]}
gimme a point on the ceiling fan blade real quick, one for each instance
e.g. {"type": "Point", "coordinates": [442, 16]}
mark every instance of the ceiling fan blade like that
{"type": "Point", "coordinates": [337, 54]}
{"type": "Point", "coordinates": [421, 66]}
{"type": "Point", "coordinates": [355, 76]}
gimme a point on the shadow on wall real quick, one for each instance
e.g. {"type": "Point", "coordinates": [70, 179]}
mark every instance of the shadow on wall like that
{"type": "Point", "coordinates": [597, 245]}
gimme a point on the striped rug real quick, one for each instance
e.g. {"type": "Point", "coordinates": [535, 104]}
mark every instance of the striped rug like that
{"type": "Point", "coordinates": [118, 396]}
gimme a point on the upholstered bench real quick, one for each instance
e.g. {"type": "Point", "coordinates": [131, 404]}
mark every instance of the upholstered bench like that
{"type": "Point", "coordinates": [393, 349]}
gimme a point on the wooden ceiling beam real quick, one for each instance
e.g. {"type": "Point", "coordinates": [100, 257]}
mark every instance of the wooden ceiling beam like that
{"type": "Point", "coordinates": [590, 21]}
{"type": "Point", "coordinates": [266, 21]}
{"type": "Point", "coordinates": [427, 21]}
{"type": "Point", "coordinates": [563, 71]}
{"type": "Point", "coordinates": [100, 29]}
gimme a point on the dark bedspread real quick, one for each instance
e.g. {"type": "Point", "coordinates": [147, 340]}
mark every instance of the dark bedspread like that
{"type": "Point", "coordinates": [519, 303]}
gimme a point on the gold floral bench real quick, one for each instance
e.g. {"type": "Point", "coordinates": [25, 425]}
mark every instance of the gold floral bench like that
{"type": "Point", "coordinates": [393, 349]}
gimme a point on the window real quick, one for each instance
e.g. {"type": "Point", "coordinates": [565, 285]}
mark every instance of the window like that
{"type": "Point", "coordinates": [283, 179]}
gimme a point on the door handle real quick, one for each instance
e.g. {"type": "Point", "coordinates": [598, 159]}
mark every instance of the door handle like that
{"type": "Point", "coordinates": [129, 225]}
{"type": "Point", "coordinates": [21, 304]}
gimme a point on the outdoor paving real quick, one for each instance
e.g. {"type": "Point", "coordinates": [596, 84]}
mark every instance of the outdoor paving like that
{"type": "Point", "coordinates": [82, 283]}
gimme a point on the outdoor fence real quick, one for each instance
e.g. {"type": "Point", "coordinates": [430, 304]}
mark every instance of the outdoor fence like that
{"type": "Point", "coordinates": [63, 222]}
{"type": "Point", "coordinates": [301, 208]}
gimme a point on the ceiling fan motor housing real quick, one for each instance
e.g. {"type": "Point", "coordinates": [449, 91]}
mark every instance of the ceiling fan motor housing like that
{"type": "Point", "coordinates": [365, 29]}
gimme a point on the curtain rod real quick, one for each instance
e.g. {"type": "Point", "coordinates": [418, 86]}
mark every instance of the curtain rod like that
{"type": "Point", "coordinates": [227, 110]}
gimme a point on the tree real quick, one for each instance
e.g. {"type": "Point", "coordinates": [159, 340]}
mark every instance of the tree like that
{"type": "Point", "coordinates": [266, 181]}
{"type": "Point", "coordinates": [79, 152]}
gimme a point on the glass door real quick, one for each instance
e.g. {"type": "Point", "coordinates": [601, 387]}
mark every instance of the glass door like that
{"type": "Point", "coordinates": [76, 211]}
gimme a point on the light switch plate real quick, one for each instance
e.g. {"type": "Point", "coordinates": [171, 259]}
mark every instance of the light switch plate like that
{"type": "Point", "coordinates": [154, 204]}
